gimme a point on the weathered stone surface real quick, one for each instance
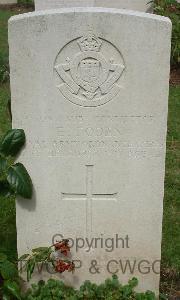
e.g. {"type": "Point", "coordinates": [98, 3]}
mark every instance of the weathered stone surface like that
{"type": "Point", "coordinates": [90, 88]}
{"type": "Point", "coordinates": [141, 5]}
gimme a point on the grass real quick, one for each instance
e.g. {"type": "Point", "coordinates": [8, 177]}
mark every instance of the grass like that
{"type": "Point", "coordinates": [170, 276]}
{"type": "Point", "coordinates": [7, 207]}
{"type": "Point", "coordinates": [4, 16]}
{"type": "Point", "coordinates": [171, 223]}
{"type": "Point", "coordinates": [5, 122]}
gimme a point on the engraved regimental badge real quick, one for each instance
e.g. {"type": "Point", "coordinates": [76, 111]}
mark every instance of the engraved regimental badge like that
{"type": "Point", "coordinates": [88, 70]}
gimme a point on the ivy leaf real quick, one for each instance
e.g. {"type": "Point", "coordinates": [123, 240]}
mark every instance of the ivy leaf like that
{"type": "Point", "coordinates": [12, 142]}
{"type": "Point", "coordinates": [13, 288]}
{"type": "Point", "coordinates": [8, 270]}
{"type": "Point", "coordinates": [20, 180]}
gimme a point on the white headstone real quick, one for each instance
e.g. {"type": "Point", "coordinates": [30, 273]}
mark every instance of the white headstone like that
{"type": "Point", "coordinates": [141, 5]}
{"type": "Point", "coordinates": [8, 2]}
{"type": "Point", "coordinates": [90, 88]}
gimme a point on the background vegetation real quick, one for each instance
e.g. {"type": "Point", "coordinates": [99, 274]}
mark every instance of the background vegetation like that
{"type": "Point", "coordinates": [171, 9]}
{"type": "Point", "coordinates": [27, 3]}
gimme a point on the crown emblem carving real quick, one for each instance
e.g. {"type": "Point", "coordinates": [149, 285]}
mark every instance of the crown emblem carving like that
{"type": "Point", "coordinates": [90, 77]}
{"type": "Point", "coordinates": [90, 43]}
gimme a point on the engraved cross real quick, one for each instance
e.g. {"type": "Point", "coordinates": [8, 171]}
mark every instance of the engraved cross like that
{"type": "Point", "coordinates": [89, 197]}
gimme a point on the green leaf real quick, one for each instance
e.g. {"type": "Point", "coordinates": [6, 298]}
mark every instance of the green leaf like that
{"type": "Point", "coordinates": [12, 142]}
{"type": "Point", "coordinates": [20, 180]}
{"type": "Point", "coordinates": [150, 295]}
{"type": "Point", "coordinates": [41, 249]}
{"type": "Point", "coordinates": [8, 270]}
{"type": "Point", "coordinates": [133, 282]}
{"type": "Point", "coordinates": [13, 288]}
{"type": "Point", "coordinates": [30, 268]}
{"type": "Point", "coordinates": [23, 257]}
{"type": "Point", "coordinates": [42, 254]}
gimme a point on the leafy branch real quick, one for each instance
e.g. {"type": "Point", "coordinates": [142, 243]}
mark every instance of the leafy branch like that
{"type": "Point", "coordinates": [14, 178]}
{"type": "Point", "coordinates": [49, 255]}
